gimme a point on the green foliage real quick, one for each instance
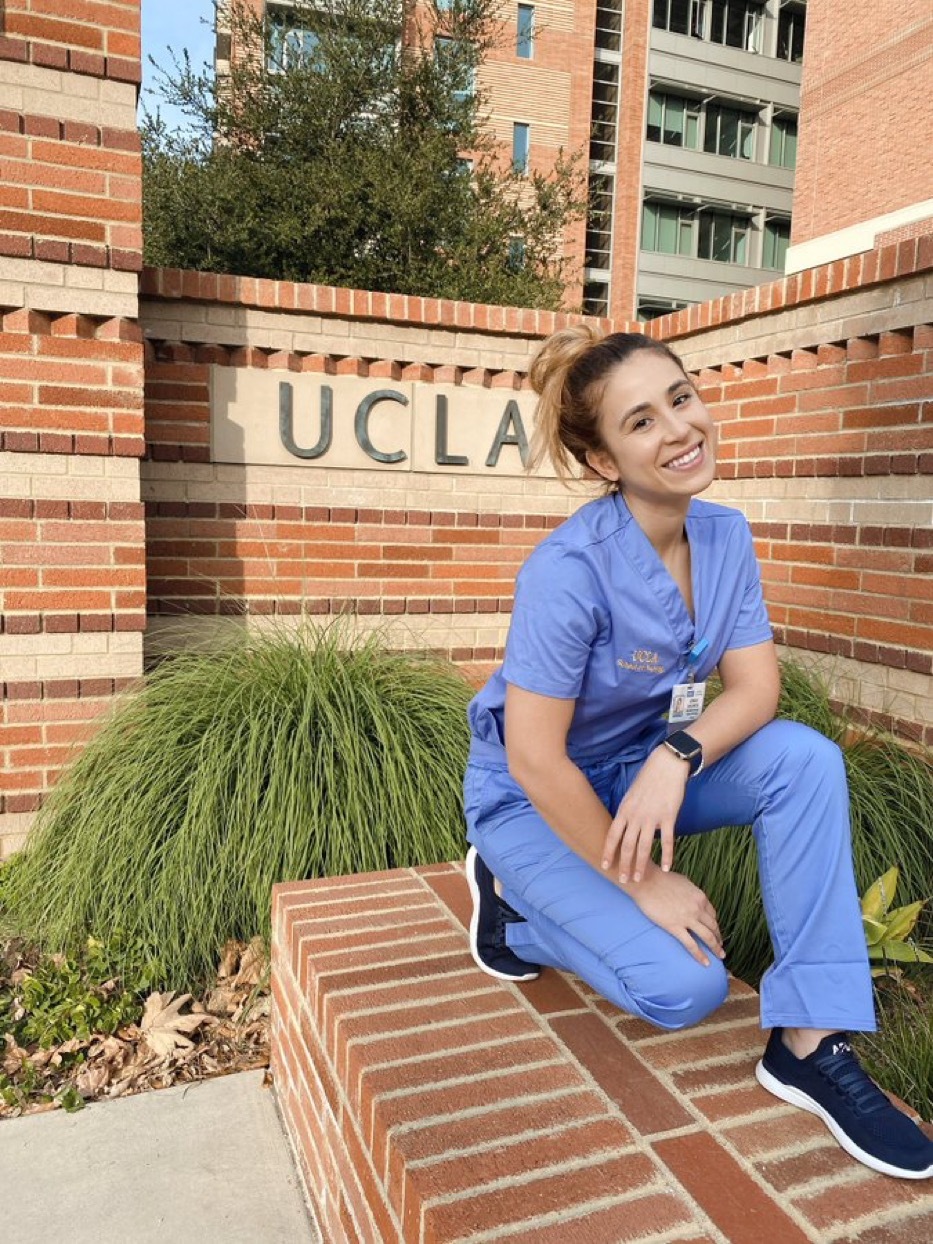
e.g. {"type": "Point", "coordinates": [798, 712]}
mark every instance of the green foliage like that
{"type": "Point", "coordinates": [338, 158]}
{"type": "Point", "coordinates": [265, 759]}
{"type": "Point", "coordinates": [56, 1003]}
{"type": "Point", "coordinates": [891, 804]}
{"type": "Point", "coordinates": [888, 929]}
{"type": "Point", "coordinates": [900, 1054]}
{"type": "Point", "coordinates": [66, 999]}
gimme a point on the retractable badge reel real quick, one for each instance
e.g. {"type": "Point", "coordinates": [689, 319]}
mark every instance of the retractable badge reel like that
{"type": "Point", "coordinates": [687, 697]}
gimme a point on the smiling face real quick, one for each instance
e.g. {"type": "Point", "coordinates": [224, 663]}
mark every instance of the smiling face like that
{"type": "Point", "coordinates": [658, 438]}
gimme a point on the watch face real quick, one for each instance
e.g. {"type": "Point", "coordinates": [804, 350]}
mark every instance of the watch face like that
{"type": "Point", "coordinates": [684, 745]}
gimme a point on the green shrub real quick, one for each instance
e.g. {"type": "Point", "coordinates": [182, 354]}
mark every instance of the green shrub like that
{"type": "Point", "coordinates": [267, 759]}
{"type": "Point", "coordinates": [891, 790]}
{"type": "Point", "coordinates": [900, 1054]}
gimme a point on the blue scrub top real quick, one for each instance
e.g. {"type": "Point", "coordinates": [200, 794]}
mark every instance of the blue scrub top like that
{"type": "Point", "coordinates": [598, 619]}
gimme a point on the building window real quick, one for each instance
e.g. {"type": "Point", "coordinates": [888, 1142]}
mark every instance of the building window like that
{"type": "Point", "coordinates": [673, 15]}
{"type": "Point", "coordinates": [791, 21]}
{"type": "Point", "coordinates": [653, 308]}
{"type": "Point", "coordinates": [605, 114]}
{"type": "Point", "coordinates": [525, 33]}
{"type": "Point", "coordinates": [516, 255]}
{"type": "Point", "coordinates": [673, 120]}
{"type": "Point", "coordinates": [609, 25]}
{"type": "Point", "coordinates": [521, 142]}
{"type": "Point", "coordinates": [668, 228]}
{"type": "Point", "coordinates": [460, 74]}
{"type": "Point", "coordinates": [596, 298]}
{"type": "Point", "coordinates": [734, 23]}
{"type": "Point", "coordinates": [729, 132]}
{"type": "Point", "coordinates": [289, 43]}
{"type": "Point", "coordinates": [723, 236]}
{"type": "Point", "coordinates": [598, 250]}
{"type": "Point", "coordinates": [775, 243]}
{"type": "Point", "coordinates": [783, 150]}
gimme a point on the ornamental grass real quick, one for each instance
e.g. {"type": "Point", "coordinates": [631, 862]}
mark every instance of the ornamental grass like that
{"type": "Point", "coordinates": [272, 758]}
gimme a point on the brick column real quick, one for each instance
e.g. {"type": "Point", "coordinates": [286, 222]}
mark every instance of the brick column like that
{"type": "Point", "coordinates": [72, 574]}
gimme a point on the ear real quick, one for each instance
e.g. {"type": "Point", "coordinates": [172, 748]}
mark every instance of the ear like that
{"type": "Point", "coordinates": [600, 461]}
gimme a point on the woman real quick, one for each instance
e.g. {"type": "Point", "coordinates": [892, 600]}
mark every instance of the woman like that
{"type": "Point", "coordinates": [592, 738]}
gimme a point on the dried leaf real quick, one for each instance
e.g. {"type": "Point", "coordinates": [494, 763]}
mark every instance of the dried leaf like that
{"type": "Point", "coordinates": [90, 1080]}
{"type": "Point", "coordinates": [164, 1028]}
{"type": "Point", "coordinates": [230, 957]}
{"type": "Point", "coordinates": [221, 1001]}
{"type": "Point", "coordinates": [253, 963]}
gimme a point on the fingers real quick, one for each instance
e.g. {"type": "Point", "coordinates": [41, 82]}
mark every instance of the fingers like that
{"type": "Point", "coordinates": [693, 946]}
{"type": "Point", "coordinates": [635, 850]}
{"type": "Point", "coordinates": [697, 940]}
{"type": "Point", "coordinates": [667, 848]}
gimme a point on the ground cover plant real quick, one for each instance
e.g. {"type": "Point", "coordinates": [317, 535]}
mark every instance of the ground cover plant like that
{"type": "Point", "coordinates": [269, 758]}
{"type": "Point", "coordinates": [71, 1030]}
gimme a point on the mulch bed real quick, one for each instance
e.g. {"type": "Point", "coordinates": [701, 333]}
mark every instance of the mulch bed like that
{"type": "Point", "coordinates": [178, 1039]}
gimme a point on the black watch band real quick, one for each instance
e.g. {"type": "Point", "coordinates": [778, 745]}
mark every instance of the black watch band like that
{"type": "Point", "coordinates": [687, 748]}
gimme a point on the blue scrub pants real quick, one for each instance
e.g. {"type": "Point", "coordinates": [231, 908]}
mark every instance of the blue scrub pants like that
{"type": "Point", "coordinates": [788, 782]}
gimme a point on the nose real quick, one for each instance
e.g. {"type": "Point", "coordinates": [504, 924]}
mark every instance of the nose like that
{"type": "Point", "coordinates": [676, 426]}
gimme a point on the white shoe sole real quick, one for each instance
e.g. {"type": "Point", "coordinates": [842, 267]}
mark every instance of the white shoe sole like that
{"type": "Point", "coordinates": [474, 927]}
{"type": "Point", "coordinates": [796, 1097]}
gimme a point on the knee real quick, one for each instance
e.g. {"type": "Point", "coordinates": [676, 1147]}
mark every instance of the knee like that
{"type": "Point", "coordinates": [796, 747]}
{"type": "Point", "coordinates": [683, 993]}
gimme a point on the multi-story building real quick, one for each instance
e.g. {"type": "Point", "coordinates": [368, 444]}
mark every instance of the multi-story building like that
{"type": "Point", "coordinates": [686, 114]}
{"type": "Point", "coordinates": [865, 171]}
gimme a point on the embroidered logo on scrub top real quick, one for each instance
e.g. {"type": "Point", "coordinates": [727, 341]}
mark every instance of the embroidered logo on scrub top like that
{"type": "Point", "coordinates": [643, 661]}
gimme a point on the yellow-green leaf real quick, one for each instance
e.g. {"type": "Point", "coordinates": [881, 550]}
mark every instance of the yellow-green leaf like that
{"type": "Point", "coordinates": [900, 952]}
{"type": "Point", "coordinates": [901, 920]}
{"type": "Point", "coordinates": [879, 896]}
{"type": "Point", "coordinates": [874, 930]}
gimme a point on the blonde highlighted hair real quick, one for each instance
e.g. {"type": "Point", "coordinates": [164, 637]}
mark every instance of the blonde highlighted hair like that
{"type": "Point", "coordinates": [569, 373]}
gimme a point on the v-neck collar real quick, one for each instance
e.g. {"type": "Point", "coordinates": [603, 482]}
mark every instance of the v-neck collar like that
{"type": "Point", "coordinates": [647, 561]}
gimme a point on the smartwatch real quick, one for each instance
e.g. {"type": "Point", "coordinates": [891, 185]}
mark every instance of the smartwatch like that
{"type": "Point", "coordinates": [687, 748]}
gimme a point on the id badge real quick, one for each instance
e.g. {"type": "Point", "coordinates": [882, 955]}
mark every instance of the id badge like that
{"type": "Point", "coordinates": [686, 702]}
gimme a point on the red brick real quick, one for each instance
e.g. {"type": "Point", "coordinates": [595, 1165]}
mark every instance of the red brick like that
{"type": "Point", "coordinates": [641, 1097]}
{"type": "Point", "coordinates": [736, 1204]}
{"type": "Point", "coordinates": [561, 1192]}
{"type": "Point", "coordinates": [845, 1203]}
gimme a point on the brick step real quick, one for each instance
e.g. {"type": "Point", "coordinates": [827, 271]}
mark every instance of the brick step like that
{"type": "Point", "coordinates": [428, 1103]}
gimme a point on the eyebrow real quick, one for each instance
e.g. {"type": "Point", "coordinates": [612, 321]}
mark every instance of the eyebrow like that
{"type": "Point", "coordinates": [642, 406]}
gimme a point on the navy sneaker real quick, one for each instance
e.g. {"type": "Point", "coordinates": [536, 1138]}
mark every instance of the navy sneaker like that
{"type": "Point", "coordinates": [491, 914]}
{"type": "Point", "coordinates": [830, 1083]}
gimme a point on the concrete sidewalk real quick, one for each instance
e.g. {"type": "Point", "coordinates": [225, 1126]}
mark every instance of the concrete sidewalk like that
{"type": "Point", "coordinates": [204, 1162]}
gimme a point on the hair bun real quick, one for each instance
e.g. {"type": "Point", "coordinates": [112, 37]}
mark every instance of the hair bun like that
{"type": "Point", "coordinates": [557, 355]}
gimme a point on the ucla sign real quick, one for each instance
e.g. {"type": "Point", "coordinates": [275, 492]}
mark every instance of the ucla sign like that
{"type": "Point", "coordinates": [284, 418]}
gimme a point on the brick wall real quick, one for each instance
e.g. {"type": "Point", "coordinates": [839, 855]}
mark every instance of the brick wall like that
{"type": "Point", "coordinates": [430, 557]}
{"type": "Point", "coordinates": [820, 383]}
{"type": "Point", "coordinates": [72, 574]}
{"type": "Point", "coordinates": [866, 95]}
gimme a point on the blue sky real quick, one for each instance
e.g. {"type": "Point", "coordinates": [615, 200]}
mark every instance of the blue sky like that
{"type": "Point", "coordinates": [175, 24]}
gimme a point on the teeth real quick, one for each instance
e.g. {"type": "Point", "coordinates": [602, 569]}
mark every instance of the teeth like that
{"type": "Point", "coordinates": [686, 459]}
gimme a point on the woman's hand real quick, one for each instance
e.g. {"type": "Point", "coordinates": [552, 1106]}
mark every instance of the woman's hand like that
{"type": "Point", "coordinates": [675, 904]}
{"type": "Point", "coordinates": [651, 803]}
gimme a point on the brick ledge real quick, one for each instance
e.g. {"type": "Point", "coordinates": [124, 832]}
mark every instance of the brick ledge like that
{"type": "Point", "coordinates": [428, 1104]}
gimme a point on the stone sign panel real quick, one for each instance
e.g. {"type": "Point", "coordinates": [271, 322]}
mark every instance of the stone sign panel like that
{"type": "Point", "coordinates": [283, 418]}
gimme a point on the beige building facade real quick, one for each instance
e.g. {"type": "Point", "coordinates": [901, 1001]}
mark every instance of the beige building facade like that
{"type": "Point", "coordinates": [683, 114]}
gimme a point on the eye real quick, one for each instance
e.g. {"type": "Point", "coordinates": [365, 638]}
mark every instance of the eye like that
{"type": "Point", "coordinates": [682, 397]}
{"type": "Point", "coordinates": [644, 421]}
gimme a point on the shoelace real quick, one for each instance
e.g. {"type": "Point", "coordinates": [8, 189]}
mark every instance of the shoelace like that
{"type": "Point", "coordinates": [848, 1078]}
